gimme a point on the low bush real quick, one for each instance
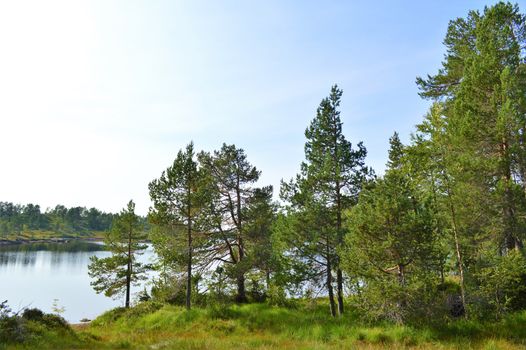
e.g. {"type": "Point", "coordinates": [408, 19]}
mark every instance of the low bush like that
{"type": "Point", "coordinates": [32, 326]}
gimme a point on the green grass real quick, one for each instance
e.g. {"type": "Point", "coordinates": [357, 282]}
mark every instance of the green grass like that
{"type": "Point", "coordinates": [259, 326]}
{"type": "Point", "coordinates": [266, 327]}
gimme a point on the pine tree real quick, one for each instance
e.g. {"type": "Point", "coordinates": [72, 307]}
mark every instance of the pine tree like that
{"type": "Point", "coordinates": [438, 169]}
{"type": "Point", "coordinates": [329, 183]}
{"type": "Point", "coordinates": [392, 236]}
{"type": "Point", "coordinates": [481, 83]}
{"type": "Point", "coordinates": [179, 198]}
{"type": "Point", "coordinates": [480, 142]}
{"type": "Point", "coordinates": [116, 274]}
{"type": "Point", "coordinates": [260, 216]}
{"type": "Point", "coordinates": [230, 179]}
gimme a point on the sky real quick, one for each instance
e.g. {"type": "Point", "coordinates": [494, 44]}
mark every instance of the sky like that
{"type": "Point", "coordinates": [97, 97]}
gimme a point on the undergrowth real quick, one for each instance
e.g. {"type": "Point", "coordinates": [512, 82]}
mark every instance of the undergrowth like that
{"type": "Point", "coordinates": [153, 325]}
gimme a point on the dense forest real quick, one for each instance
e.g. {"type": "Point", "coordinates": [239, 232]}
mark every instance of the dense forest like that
{"type": "Point", "coordinates": [16, 219]}
{"type": "Point", "coordinates": [437, 239]}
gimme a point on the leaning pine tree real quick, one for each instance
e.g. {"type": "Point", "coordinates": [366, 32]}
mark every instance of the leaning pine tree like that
{"type": "Point", "coordinates": [116, 274]}
{"type": "Point", "coordinates": [230, 185]}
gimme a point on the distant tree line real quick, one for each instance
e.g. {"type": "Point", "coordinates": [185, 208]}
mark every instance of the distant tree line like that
{"type": "Point", "coordinates": [439, 235]}
{"type": "Point", "coordinates": [16, 219]}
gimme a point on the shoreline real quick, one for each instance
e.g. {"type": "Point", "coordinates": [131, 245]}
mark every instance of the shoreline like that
{"type": "Point", "coordinates": [18, 241]}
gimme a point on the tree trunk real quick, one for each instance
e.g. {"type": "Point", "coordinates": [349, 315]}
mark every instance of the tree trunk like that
{"type": "Point", "coordinates": [329, 282]}
{"type": "Point", "coordinates": [511, 240]}
{"type": "Point", "coordinates": [129, 270]}
{"type": "Point", "coordinates": [458, 253]}
{"type": "Point", "coordinates": [339, 280]}
{"type": "Point", "coordinates": [401, 275]}
{"type": "Point", "coordinates": [189, 261]}
{"type": "Point", "coordinates": [189, 267]}
{"type": "Point", "coordinates": [241, 296]}
{"type": "Point", "coordinates": [241, 293]}
{"type": "Point", "coordinates": [330, 289]}
{"type": "Point", "coordinates": [128, 284]}
{"type": "Point", "coordinates": [339, 273]}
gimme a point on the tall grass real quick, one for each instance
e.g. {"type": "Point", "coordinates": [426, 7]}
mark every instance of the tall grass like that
{"type": "Point", "coordinates": [259, 326]}
{"type": "Point", "coordinates": [269, 327]}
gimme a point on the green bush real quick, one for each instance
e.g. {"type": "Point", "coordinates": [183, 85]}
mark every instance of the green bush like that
{"type": "Point", "coordinates": [502, 285]}
{"type": "Point", "coordinates": [30, 326]}
{"type": "Point", "coordinates": [13, 330]}
{"type": "Point", "coordinates": [55, 321]}
{"type": "Point", "coordinates": [33, 314]}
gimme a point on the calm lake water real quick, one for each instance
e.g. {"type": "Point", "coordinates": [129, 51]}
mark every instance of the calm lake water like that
{"type": "Point", "coordinates": [33, 275]}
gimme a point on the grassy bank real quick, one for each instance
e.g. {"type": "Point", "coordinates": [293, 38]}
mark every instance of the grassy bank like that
{"type": "Point", "coordinates": [156, 326]}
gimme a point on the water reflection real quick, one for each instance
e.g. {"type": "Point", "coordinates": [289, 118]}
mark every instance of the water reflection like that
{"type": "Point", "coordinates": [70, 246]}
{"type": "Point", "coordinates": [72, 255]}
{"type": "Point", "coordinates": [36, 274]}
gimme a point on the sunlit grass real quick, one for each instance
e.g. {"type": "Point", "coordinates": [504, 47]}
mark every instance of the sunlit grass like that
{"type": "Point", "coordinates": [264, 327]}
{"type": "Point", "coordinates": [259, 326]}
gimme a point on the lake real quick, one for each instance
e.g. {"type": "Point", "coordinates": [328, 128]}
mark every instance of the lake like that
{"type": "Point", "coordinates": [33, 275]}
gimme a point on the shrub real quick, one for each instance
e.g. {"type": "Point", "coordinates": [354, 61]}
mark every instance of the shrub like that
{"type": "Point", "coordinates": [13, 330]}
{"type": "Point", "coordinates": [31, 325]}
{"type": "Point", "coordinates": [503, 284]}
{"type": "Point", "coordinates": [55, 321]}
{"type": "Point", "coordinates": [33, 314]}
{"type": "Point", "coordinates": [278, 297]}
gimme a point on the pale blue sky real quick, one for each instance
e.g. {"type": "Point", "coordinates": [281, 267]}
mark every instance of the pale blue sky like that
{"type": "Point", "coordinates": [97, 97]}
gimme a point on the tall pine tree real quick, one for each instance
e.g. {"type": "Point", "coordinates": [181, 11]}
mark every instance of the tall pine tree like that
{"type": "Point", "coordinates": [179, 199]}
{"type": "Point", "coordinates": [328, 184]}
{"type": "Point", "coordinates": [231, 179]}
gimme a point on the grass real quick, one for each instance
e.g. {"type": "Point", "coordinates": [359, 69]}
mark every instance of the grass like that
{"type": "Point", "coordinates": [259, 326]}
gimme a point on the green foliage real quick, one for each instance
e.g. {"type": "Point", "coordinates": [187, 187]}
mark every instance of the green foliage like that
{"type": "Point", "coordinates": [16, 219]}
{"type": "Point", "coordinates": [114, 275]}
{"type": "Point", "coordinates": [503, 284]}
{"type": "Point", "coordinates": [439, 236]}
{"type": "Point", "coordinates": [474, 138]}
{"type": "Point", "coordinates": [179, 197]}
{"type": "Point", "coordinates": [34, 329]}
{"type": "Point", "coordinates": [329, 183]}
{"type": "Point", "coordinates": [390, 246]}
{"type": "Point", "coordinates": [239, 216]}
